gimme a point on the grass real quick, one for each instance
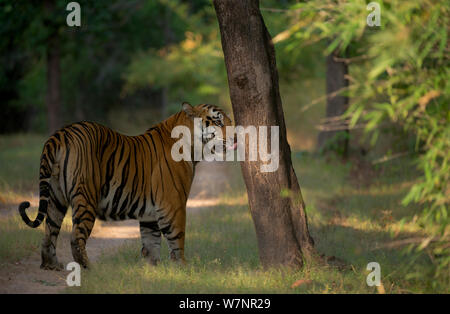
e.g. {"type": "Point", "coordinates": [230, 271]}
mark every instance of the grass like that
{"type": "Point", "coordinates": [349, 219]}
{"type": "Point", "coordinates": [215, 265]}
{"type": "Point", "coordinates": [18, 240]}
{"type": "Point", "coordinates": [19, 162]}
{"type": "Point", "coordinates": [19, 173]}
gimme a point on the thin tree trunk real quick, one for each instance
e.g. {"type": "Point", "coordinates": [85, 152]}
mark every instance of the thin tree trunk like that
{"type": "Point", "coordinates": [79, 111]}
{"type": "Point", "coordinates": [280, 221]}
{"type": "Point", "coordinates": [336, 104]}
{"type": "Point", "coordinates": [168, 38]}
{"type": "Point", "coordinates": [164, 102]}
{"type": "Point", "coordinates": [53, 98]}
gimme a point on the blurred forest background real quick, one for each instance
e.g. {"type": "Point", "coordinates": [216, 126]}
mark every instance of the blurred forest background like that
{"type": "Point", "coordinates": [365, 96]}
{"type": "Point", "coordinates": [131, 63]}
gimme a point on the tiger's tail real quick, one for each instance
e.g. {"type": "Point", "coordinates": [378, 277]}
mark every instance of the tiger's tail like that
{"type": "Point", "coordinates": [45, 173]}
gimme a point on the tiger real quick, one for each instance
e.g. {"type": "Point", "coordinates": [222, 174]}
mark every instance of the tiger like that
{"type": "Point", "coordinates": [103, 174]}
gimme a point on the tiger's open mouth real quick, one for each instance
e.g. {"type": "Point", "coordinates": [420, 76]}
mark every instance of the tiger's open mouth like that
{"type": "Point", "coordinates": [226, 146]}
{"type": "Point", "coordinates": [231, 146]}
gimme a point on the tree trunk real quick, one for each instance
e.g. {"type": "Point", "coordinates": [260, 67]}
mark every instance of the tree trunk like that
{"type": "Point", "coordinates": [280, 221]}
{"type": "Point", "coordinates": [336, 104]}
{"type": "Point", "coordinates": [168, 39]}
{"type": "Point", "coordinates": [164, 92]}
{"type": "Point", "coordinates": [53, 98]}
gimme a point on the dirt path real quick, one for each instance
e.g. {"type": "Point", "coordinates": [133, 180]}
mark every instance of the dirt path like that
{"type": "Point", "coordinates": [25, 276]}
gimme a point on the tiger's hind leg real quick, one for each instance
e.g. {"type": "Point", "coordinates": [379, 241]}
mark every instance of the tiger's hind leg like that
{"type": "Point", "coordinates": [53, 222]}
{"type": "Point", "coordinates": [83, 222]}
{"type": "Point", "coordinates": [151, 241]}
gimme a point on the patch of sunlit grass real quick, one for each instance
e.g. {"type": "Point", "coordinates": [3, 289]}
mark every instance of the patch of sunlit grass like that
{"type": "Point", "coordinates": [222, 257]}
{"type": "Point", "coordinates": [348, 221]}
{"type": "Point", "coordinates": [19, 162]}
{"type": "Point", "coordinates": [17, 240]}
{"type": "Point", "coordinates": [126, 272]}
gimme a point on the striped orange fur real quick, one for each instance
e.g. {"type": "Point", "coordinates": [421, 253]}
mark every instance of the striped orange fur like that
{"type": "Point", "coordinates": [106, 175]}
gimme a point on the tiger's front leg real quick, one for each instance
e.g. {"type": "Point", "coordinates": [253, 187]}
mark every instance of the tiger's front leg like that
{"type": "Point", "coordinates": [172, 225]}
{"type": "Point", "coordinates": [151, 241]}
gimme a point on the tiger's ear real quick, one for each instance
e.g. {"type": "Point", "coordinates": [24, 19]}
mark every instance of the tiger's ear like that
{"type": "Point", "coordinates": [188, 109]}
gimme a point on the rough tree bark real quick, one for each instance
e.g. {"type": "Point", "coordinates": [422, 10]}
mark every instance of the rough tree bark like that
{"type": "Point", "coordinates": [53, 98]}
{"type": "Point", "coordinates": [336, 104]}
{"type": "Point", "coordinates": [280, 221]}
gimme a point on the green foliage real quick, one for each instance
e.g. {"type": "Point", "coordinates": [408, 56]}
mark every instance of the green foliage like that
{"type": "Point", "coordinates": [335, 144]}
{"type": "Point", "coordinates": [98, 53]}
{"type": "Point", "coordinates": [93, 57]}
{"type": "Point", "coordinates": [122, 58]}
{"type": "Point", "coordinates": [192, 69]}
{"type": "Point", "coordinates": [399, 73]}
{"type": "Point", "coordinates": [294, 65]}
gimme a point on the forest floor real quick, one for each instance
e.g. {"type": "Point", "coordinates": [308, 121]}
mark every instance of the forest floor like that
{"type": "Point", "coordinates": [354, 211]}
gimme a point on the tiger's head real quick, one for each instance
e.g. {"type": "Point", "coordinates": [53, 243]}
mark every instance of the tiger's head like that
{"type": "Point", "coordinates": [213, 126]}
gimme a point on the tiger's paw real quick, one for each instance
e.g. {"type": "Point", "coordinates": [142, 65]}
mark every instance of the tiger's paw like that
{"type": "Point", "coordinates": [53, 266]}
{"type": "Point", "coordinates": [180, 263]}
{"type": "Point", "coordinates": [178, 258]}
{"type": "Point", "coordinates": [79, 254]}
{"type": "Point", "coordinates": [153, 261]}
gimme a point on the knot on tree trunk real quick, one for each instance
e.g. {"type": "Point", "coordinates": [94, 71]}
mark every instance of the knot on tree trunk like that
{"type": "Point", "coordinates": [241, 81]}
